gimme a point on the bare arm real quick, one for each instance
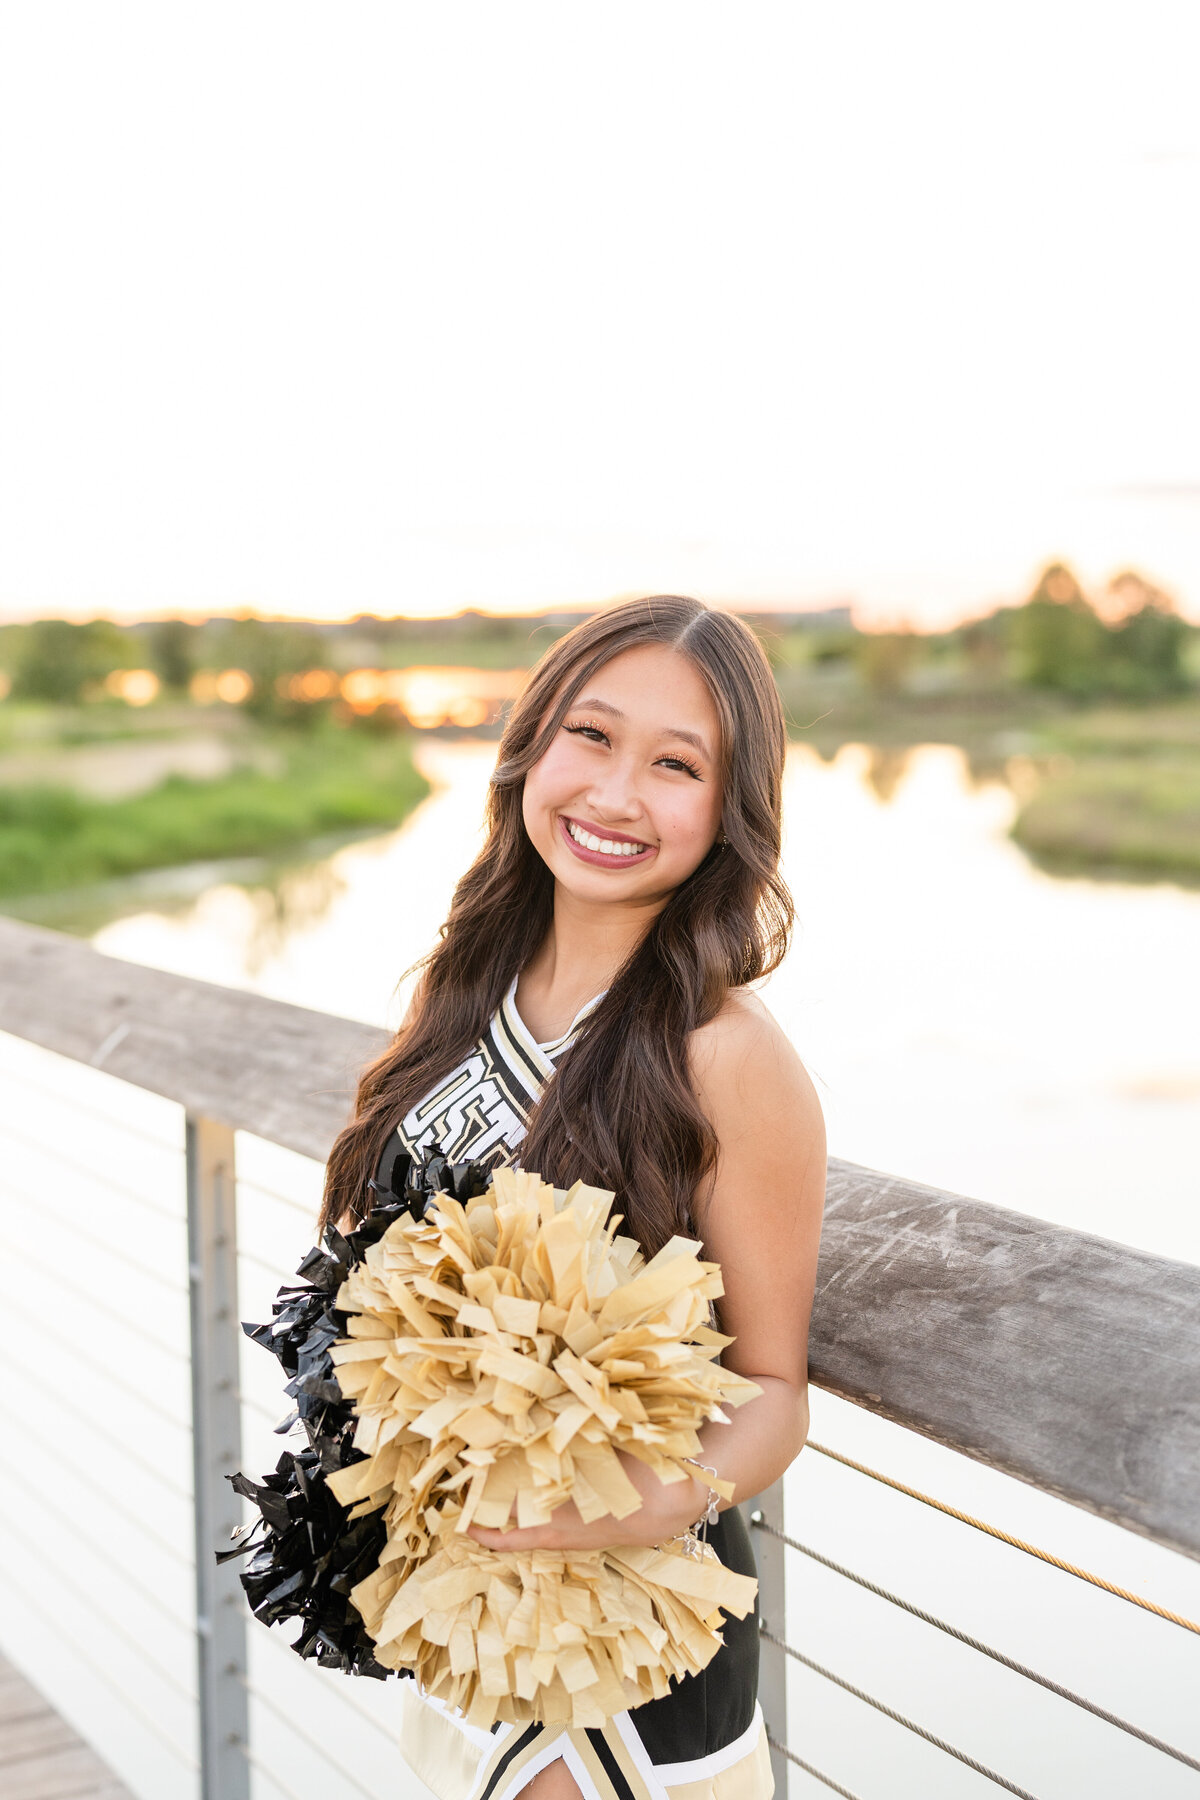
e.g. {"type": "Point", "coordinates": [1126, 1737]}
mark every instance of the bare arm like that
{"type": "Point", "coordinates": [760, 1211]}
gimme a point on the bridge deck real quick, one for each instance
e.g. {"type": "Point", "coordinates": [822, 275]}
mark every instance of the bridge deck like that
{"type": "Point", "coordinates": [41, 1757]}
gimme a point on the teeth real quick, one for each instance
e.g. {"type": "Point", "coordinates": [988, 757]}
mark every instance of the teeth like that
{"type": "Point", "coordinates": [607, 846]}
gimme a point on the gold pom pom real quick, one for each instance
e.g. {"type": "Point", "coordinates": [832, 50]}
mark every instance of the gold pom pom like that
{"type": "Point", "coordinates": [501, 1352]}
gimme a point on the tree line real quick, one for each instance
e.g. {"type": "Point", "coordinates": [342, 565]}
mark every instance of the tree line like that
{"type": "Point", "coordinates": [1057, 638]}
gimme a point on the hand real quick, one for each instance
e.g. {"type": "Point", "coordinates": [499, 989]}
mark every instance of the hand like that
{"type": "Point", "coordinates": [667, 1509]}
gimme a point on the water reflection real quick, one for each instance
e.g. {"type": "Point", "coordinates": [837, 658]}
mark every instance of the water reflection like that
{"type": "Point", "coordinates": [886, 769]}
{"type": "Point", "coordinates": [970, 1020]}
{"type": "Point", "coordinates": [264, 917]}
{"type": "Point", "coordinates": [338, 934]}
{"type": "Point", "coordinates": [286, 891]}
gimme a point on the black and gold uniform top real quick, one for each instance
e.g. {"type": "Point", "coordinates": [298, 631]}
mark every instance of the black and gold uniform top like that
{"type": "Point", "coordinates": [480, 1110]}
{"type": "Point", "coordinates": [705, 1740]}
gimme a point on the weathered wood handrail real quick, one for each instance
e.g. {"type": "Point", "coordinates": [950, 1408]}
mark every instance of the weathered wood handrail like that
{"type": "Point", "coordinates": [252, 1064]}
{"type": "Point", "coordinates": [1063, 1359]}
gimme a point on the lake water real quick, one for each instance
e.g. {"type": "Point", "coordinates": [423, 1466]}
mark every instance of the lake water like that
{"type": "Point", "coordinates": [971, 1022]}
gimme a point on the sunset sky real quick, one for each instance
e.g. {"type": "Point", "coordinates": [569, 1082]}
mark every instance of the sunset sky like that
{"type": "Point", "coordinates": [320, 309]}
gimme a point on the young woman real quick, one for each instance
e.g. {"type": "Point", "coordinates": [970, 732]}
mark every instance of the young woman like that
{"type": "Point", "coordinates": [587, 1013]}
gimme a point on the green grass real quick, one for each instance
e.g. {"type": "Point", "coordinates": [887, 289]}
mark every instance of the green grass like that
{"type": "Point", "coordinates": [1121, 791]}
{"type": "Point", "coordinates": [1140, 815]}
{"type": "Point", "coordinates": [1118, 790]}
{"type": "Point", "coordinates": [1162, 727]}
{"type": "Point", "coordinates": [334, 781]}
{"type": "Point", "coordinates": [831, 708]}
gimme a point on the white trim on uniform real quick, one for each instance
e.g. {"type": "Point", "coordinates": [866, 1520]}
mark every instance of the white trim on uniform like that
{"type": "Point", "coordinates": [475, 1734]}
{"type": "Point", "coordinates": [550, 1753]}
{"type": "Point", "coordinates": [678, 1774]}
{"type": "Point", "coordinates": [640, 1756]}
{"type": "Point", "coordinates": [517, 1025]}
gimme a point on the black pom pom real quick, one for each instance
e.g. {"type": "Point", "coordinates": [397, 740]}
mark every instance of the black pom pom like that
{"type": "Point", "coordinates": [306, 1551]}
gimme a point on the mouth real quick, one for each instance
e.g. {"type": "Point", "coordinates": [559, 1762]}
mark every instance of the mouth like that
{"type": "Point", "coordinates": [604, 852]}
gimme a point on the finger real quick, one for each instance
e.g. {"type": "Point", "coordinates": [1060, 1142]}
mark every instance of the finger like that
{"type": "Point", "coordinates": [530, 1539]}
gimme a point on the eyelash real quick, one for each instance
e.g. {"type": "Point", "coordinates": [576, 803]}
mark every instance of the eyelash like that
{"type": "Point", "coordinates": [682, 760]}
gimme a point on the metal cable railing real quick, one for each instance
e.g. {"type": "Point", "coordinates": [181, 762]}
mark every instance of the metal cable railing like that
{"type": "Point", "coordinates": [263, 1768]}
{"type": "Point", "coordinates": [889, 1712]}
{"type": "Point", "coordinates": [162, 1413]}
{"type": "Point", "coordinates": [84, 1173]}
{"type": "Point", "coordinates": [279, 1273]}
{"type": "Point", "coordinates": [238, 1067]}
{"type": "Point", "coordinates": [297, 1206]}
{"type": "Point", "coordinates": [347, 1696]}
{"type": "Point", "coordinates": [810, 1769]}
{"type": "Point", "coordinates": [84, 1111]}
{"type": "Point", "coordinates": [57, 1454]}
{"type": "Point", "coordinates": [81, 1420]}
{"type": "Point", "coordinates": [113, 1313]}
{"type": "Point", "coordinates": [107, 1248]}
{"type": "Point", "coordinates": [37, 1604]}
{"type": "Point", "coordinates": [1003, 1537]}
{"type": "Point", "coordinates": [311, 1744]}
{"type": "Point", "coordinates": [1053, 1687]}
{"type": "Point", "coordinates": [260, 1407]}
{"type": "Point", "coordinates": [103, 1553]}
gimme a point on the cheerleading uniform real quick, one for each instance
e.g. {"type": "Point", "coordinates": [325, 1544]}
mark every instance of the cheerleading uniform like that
{"type": "Point", "coordinates": [705, 1739]}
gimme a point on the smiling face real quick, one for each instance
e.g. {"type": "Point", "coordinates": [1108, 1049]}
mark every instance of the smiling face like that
{"type": "Point", "coordinates": [626, 802]}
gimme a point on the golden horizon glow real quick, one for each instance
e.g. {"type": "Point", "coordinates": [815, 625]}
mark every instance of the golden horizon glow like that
{"type": "Point", "coordinates": [1112, 600]}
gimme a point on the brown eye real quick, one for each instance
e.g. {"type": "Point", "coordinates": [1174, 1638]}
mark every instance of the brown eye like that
{"type": "Point", "coordinates": [593, 732]}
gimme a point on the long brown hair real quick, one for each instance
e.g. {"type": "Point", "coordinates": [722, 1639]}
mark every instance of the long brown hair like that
{"type": "Point", "coordinates": [620, 1110]}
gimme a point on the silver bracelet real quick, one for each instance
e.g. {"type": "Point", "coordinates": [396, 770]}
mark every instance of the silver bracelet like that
{"type": "Point", "coordinates": [695, 1538]}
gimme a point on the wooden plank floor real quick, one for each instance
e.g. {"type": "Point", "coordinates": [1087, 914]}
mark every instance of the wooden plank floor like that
{"type": "Point", "coordinates": [41, 1758]}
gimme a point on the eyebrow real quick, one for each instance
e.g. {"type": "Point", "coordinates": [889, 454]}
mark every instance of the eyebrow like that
{"type": "Point", "coordinates": [671, 731]}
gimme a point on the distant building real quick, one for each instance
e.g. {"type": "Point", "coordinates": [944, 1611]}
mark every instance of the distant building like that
{"type": "Point", "coordinates": [819, 618]}
{"type": "Point", "coordinates": [824, 618]}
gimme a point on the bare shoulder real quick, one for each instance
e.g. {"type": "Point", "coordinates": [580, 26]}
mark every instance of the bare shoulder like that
{"type": "Point", "coordinates": [744, 1042]}
{"type": "Point", "coordinates": [761, 1201]}
{"type": "Point", "coordinates": [747, 1074]}
{"type": "Point", "coordinates": [744, 1017]}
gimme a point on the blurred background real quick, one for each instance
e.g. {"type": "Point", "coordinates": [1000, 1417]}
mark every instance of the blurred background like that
{"type": "Point", "coordinates": [350, 356]}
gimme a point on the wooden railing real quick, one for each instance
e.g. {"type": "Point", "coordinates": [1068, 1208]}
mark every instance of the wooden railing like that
{"type": "Point", "coordinates": [1067, 1361]}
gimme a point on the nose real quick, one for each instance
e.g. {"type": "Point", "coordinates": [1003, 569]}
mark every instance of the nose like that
{"type": "Point", "coordinates": [613, 794]}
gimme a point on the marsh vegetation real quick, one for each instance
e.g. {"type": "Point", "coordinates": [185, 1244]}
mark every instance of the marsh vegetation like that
{"type": "Point", "coordinates": [130, 748]}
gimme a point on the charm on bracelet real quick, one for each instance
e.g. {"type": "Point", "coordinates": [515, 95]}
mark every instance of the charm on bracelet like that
{"type": "Point", "coordinates": [695, 1538]}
